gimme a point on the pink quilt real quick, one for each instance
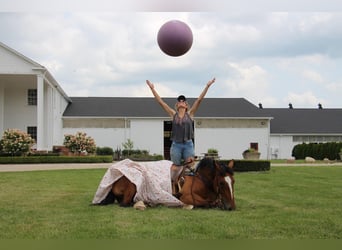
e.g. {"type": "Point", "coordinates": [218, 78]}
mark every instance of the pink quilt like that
{"type": "Point", "coordinates": [152, 180]}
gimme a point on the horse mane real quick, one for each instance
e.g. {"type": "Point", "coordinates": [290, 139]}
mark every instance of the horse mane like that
{"type": "Point", "coordinates": [205, 163]}
{"type": "Point", "coordinates": [210, 163]}
{"type": "Point", "coordinates": [227, 169]}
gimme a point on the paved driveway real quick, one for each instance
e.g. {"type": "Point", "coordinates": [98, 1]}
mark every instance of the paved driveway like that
{"type": "Point", "coordinates": [33, 167]}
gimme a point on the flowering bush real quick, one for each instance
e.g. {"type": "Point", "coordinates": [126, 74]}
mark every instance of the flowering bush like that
{"type": "Point", "coordinates": [79, 143]}
{"type": "Point", "coordinates": [15, 142]}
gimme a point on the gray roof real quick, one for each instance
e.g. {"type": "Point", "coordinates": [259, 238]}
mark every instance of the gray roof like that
{"type": "Point", "coordinates": [285, 121]}
{"type": "Point", "coordinates": [305, 121]}
{"type": "Point", "coordinates": [148, 107]}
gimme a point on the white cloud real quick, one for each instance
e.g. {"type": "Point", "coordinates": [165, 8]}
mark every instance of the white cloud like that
{"type": "Point", "coordinates": [313, 76]}
{"type": "Point", "coordinates": [306, 99]}
{"type": "Point", "coordinates": [249, 81]}
{"type": "Point", "coordinates": [261, 56]}
{"type": "Point", "coordinates": [335, 87]}
{"type": "Point", "coordinates": [315, 20]}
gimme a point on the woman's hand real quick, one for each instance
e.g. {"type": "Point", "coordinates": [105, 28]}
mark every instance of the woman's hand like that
{"type": "Point", "coordinates": [151, 85]}
{"type": "Point", "coordinates": [211, 82]}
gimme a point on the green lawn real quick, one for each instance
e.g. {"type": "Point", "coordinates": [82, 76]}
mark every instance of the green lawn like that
{"type": "Point", "coordinates": [296, 202]}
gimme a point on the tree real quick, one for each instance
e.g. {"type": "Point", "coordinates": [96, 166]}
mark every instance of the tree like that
{"type": "Point", "coordinates": [128, 145]}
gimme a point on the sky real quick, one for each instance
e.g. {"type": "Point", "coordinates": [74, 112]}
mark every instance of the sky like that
{"type": "Point", "coordinates": [274, 56]}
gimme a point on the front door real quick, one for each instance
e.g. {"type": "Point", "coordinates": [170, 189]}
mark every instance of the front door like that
{"type": "Point", "coordinates": [167, 139]}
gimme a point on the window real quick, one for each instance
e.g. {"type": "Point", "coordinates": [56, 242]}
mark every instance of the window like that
{"type": "Point", "coordinates": [32, 97]}
{"type": "Point", "coordinates": [254, 145]}
{"type": "Point", "coordinates": [32, 131]}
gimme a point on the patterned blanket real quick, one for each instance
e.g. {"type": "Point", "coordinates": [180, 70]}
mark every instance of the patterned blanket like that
{"type": "Point", "coordinates": [152, 180]}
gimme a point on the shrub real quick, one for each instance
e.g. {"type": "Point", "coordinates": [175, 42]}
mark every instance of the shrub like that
{"type": "Point", "coordinates": [136, 152]}
{"type": "Point", "coordinates": [319, 151]}
{"type": "Point", "coordinates": [212, 151]}
{"type": "Point", "coordinates": [249, 165]}
{"type": "Point", "coordinates": [56, 159]}
{"type": "Point", "coordinates": [79, 143]}
{"type": "Point", "coordinates": [137, 155]}
{"type": "Point", "coordinates": [104, 151]}
{"type": "Point", "coordinates": [15, 142]}
{"type": "Point", "coordinates": [37, 153]}
{"type": "Point", "coordinates": [145, 157]}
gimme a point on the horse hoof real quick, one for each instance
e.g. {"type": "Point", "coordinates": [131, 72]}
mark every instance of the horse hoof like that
{"type": "Point", "coordinates": [177, 195]}
{"type": "Point", "coordinates": [188, 207]}
{"type": "Point", "coordinates": [139, 205]}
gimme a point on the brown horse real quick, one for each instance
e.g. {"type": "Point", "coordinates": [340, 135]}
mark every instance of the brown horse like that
{"type": "Point", "coordinates": [212, 185]}
{"type": "Point", "coordinates": [122, 191]}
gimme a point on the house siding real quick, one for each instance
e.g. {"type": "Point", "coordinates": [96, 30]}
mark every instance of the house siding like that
{"type": "Point", "coordinates": [230, 142]}
{"type": "Point", "coordinates": [281, 146]}
{"type": "Point", "coordinates": [79, 122]}
{"type": "Point", "coordinates": [230, 138]}
{"type": "Point", "coordinates": [17, 113]}
{"type": "Point", "coordinates": [146, 134]}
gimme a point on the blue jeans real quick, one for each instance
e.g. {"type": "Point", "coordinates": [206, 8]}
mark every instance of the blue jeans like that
{"type": "Point", "coordinates": [181, 151]}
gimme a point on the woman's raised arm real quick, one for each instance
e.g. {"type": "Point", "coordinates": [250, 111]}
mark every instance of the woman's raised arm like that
{"type": "Point", "coordinates": [163, 104]}
{"type": "Point", "coordinates": [200, 98]}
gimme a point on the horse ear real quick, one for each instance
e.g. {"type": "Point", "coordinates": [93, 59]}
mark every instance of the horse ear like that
{"type": "Point", "coordinates": [231, 164]}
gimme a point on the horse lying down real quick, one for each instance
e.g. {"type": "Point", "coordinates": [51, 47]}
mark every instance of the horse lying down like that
{"type": "Point", "coordinates": [138, 183]}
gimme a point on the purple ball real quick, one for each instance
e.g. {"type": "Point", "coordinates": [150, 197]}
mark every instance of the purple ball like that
{"type": "Point", "coordinates": [175, 38]}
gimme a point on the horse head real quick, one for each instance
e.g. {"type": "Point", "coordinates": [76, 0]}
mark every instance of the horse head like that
{"type": "Point", "coordinates": [220, 179]}
{"type": "Point", "coordinates": [224, 185]}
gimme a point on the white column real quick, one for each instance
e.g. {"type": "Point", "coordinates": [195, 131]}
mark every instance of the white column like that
{"type": "Point", "coordinates": [2, 107]}
{"type": "Point", "coordinates": [49, 114]}
{"type": "Point", "coordinates": [269, 152]}
{"type": "Point", "coordinates": [40, 113]}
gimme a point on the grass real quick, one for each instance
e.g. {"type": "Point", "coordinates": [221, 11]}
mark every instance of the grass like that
{"type": "Point", "coordinates": [294, 162]}
{"type": "Point", "coordinates": [285, 203]}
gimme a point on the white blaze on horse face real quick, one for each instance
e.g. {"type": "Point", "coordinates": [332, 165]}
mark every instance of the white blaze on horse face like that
{"type": "Point", "coordinates": [229, 181]}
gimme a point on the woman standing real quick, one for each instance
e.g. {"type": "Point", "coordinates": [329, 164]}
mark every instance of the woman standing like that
{"type": "Point", "coordinates": [182, 147]}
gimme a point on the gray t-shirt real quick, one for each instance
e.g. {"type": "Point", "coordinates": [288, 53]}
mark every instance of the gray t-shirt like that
{"type": "Point", "coordinates": [182, 128]}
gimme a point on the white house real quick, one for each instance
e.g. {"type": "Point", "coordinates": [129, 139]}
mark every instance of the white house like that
{"type": "Point", "coordinates": [33, 101]}
{"type": "Point", "coordinates": [30, 99]}
{"type": "Point", "coordinates": [228, 124]}
{"type": "Point", "coordinates": [292, 126]}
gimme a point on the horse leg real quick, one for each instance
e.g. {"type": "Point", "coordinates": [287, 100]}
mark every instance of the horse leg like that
{"type": "Point", "coordinates": [186, 192]}
{"type": "Point", "coordinates": [176, 172]}
{"type": "Point", "coordinates": [195, 193]}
